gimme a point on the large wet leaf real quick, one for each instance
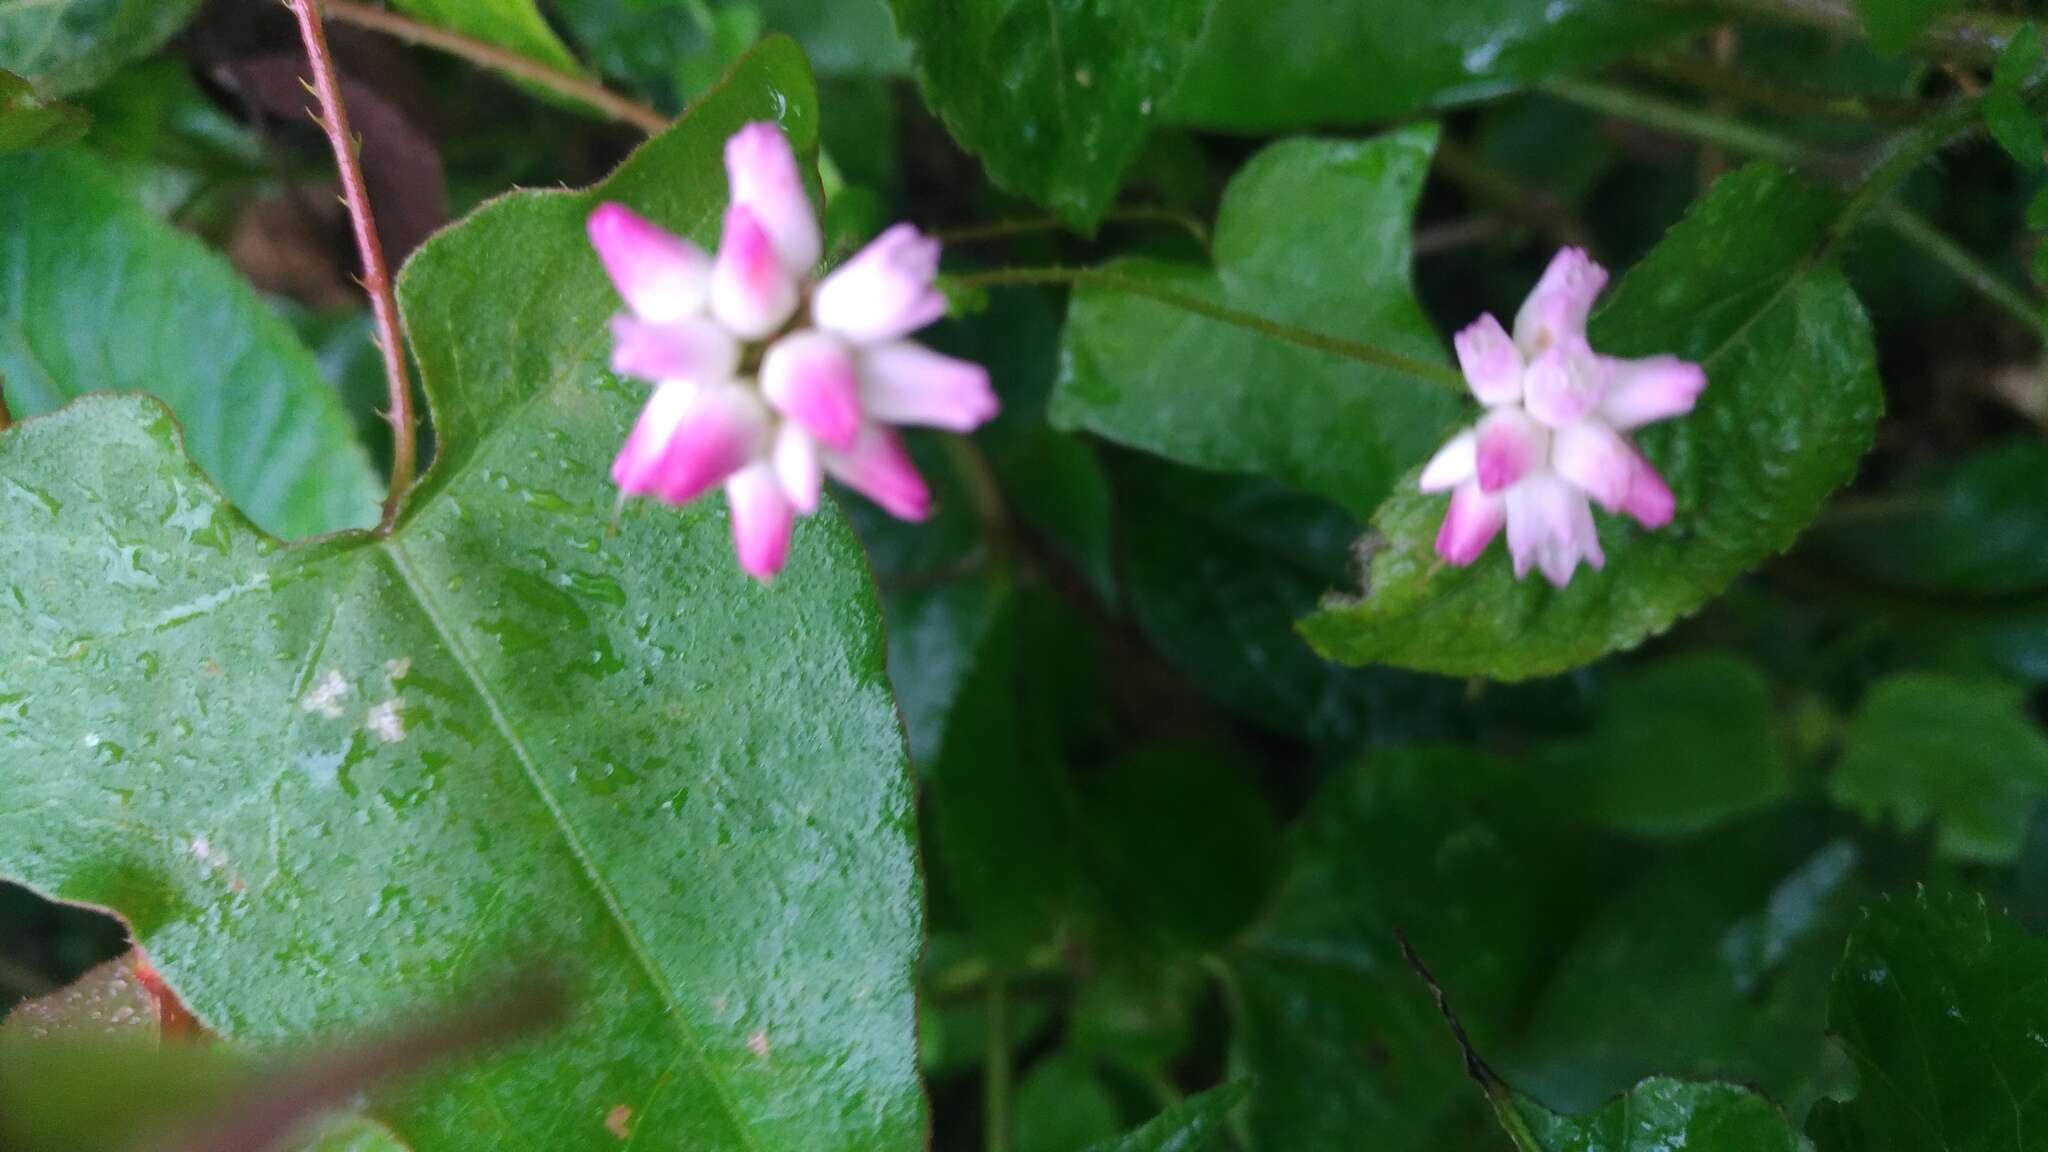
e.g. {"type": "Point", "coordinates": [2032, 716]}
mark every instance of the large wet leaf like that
{"type": "Point", "coordinates": [63, 46]}
{"type": "Point", "coordinates": [97, 295]}
{"type": "Point", "coordinates": [1056, 99]}
{"type": "Point", "coordinates": [1312, 233]}
{"type": "Point", "coordinates": [1941, 1004]}
{"type": "Point", "coordinates": [1656, 1114]}
{"type": "Point", "coordinates": [1790, 408]}
{"type": "Point", "coordinates": [325, 782]}
{"type": "Point", "coordinates": [1270, 65]}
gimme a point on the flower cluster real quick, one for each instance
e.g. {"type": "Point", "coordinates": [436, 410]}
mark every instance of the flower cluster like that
{"type": "Point", "coordinates": [765, 380]}
{"type": "Point", "coordinates": [1553, 436]}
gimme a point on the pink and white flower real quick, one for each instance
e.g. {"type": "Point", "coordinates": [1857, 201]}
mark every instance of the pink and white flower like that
{"type": "Point", "coordinates": [1553, 440]}
{"type": "Point", "coordinates": [768, 379]}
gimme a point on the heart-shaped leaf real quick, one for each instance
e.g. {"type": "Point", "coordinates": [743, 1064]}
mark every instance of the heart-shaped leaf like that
{"type": "Point", "coordinates": [109, 298]}
{"type": "Point", "coordinates": [64, 46]}
{"type": "Point", "coordinates": [1362, 61]}
{"type": "Point", "coordinates": [1313, 233]}
{"type": "Point", "coordinates": [324, 782]}
{"type": "Point", "coordinates": [1055, 98]}
{"type": "Point", "coordinates": [1790, 408]}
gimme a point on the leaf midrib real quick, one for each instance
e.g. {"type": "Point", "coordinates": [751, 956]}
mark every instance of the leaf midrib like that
{"type": "Point", "coordinates": [393, 550]}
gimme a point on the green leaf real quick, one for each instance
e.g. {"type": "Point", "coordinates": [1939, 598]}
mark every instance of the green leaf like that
{"type": "Point", "coordinates": [640, 41]}
{"type": "Point", "coordinates": [1678, 747]}
{"type": "Point", "coordinates": [109, 298]}
{"type": "Point", "coordinates": [1218, 568]}
{"type": "Point", "coordinates": [1312, 233]}
{"type": "Point", "coordinates": [1790, 408]}
{"type": "Point", "coordinates": [2006, 112]}
{"type": "Point", "coordinates": [1063, 1106]}
{"type": "Point", "coordinates": [1713, 964]}
{"type": "Point", "coordinates": [1962, 755]}
{"type": "Point", "coordinates": [1264, 66]}
{"type": "Point", "coordinates": [1486, 881]}
{"type": "Point", "coordinates": [1894, 25]}
{"type": "Point", "coordinates": [371, 769]}
{"type": "Point", "coordinates": [514, 24]}
{"type": "Point", "coordinates": [1659, 1113]}
{"type": "Point", "coordinates": [28, 121]}
{"type": "Point", "coordinates": [1978, 528]}
{"type": "Point", "coordinates": [995, 788]}
{"type": "Point", "coordinates": [1182, 844]}
{"type": "Point", "coordinates": [64, 46]}
{"type": "Point", "coordinates": [1056, 99]}
{"type": "Point", "coordinates": [1939, 1003]}
{"type": "Point", "coordinates": [1192, 1125]}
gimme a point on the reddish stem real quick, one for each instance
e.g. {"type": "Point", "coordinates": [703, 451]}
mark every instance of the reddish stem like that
{"type": "Point", "coordinates": [376, 279]}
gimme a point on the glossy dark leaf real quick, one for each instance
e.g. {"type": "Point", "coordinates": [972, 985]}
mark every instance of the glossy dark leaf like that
{"type": "Point", "coordinates": [1313, 233]}
{"type": "Point", "coordinates": [1272, 65]}
{"type": "Point", "coordinates": [103, 297]}
{"type": "Point", "coordinates": [1956, 755]}
{"type": "Point", "coordinates": [1662, 1113]}
{"type": "Point", "coordinates": [1342, 1037]}
{"type": "Point", "coordinates": [64, 46]}
{"type": "Point", "coordinates": [642, 41]}
{"type": "Point", "coordinates": [1790, 408]}
{"type": "Point", "coordinates": [1939, 1003]}
{"type": "Point", "coordinates": [1055, 99]}
{"type": "Point", "coordinates": [355, 773]}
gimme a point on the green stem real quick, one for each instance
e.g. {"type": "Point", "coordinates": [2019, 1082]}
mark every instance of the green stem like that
{"type": "Point", "coordinates": [1679, 120]}
{"type": "Point", "coordinates": [1284, 333]}
{"type": "Point", "coordinates": [1965, 265]}
{"type": "Point", "coordinates": [1904, 153]}
{"type": "Point", "coordinates": [996, 1076]}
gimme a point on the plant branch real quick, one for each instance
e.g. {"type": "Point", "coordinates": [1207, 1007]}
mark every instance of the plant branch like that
{"type": "Point", "coordinates": [1679, 120]}
{"type": "Point", "coordinates": [1363, 353]}
{"type": "Point", "coordinates": [996, 1083]}
{"type": "Point", "coordinates": [376, 280]}
{"type": "Point", "coordinates": [487, 55]}
{"type": "Point", "coordinates": [1965, 265]}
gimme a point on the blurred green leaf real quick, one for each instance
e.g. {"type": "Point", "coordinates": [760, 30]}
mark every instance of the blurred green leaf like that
{"type": "Point", "coordinates": [1960, 755]}
{"type": "Point", "coordinates": [1195, 1124]}
{"type": "Point", "coordinates": [1055, 99]}
{"type": "Point", "coordinates": [1938, 1002]}
{"type": "Point", "coordinates": [1312, 233]}
{"type": "Point", "coordinates": [1894, 25]}
{"type": "Point", "coordinates": [1978, 527]}
{"type": "Point", "coordinates": [1790, 409]}
{"type": "Point", "coordinates": [1486, 881]}
{"type": "Point", "coordinates": [1678, 746]}
{"type": "Point", "coordinates": [1001, 817]}
{"type": "Point", "coordinates": [1182, 844]}
{"type": "Point", "coordinates": [28, 121]}
{"type": "Point", "coordinates": [373, 768]}
{"type": "Point", "coordinates": [1273, 65]}
{"type": "Point", "coordinates": [1218, 568]}
{"type": "Point", "coordinates": [1062, 1105]}
{"type": "Point", "coordinates": [1713, 964]}
{"type": "Point", "coordinates": [2012, 122]}
{"type": "Point", "coordinates": [112, 299]}
{"type": "Point", "coordinates": [514, 24]}
{"type": "Point", "coordinates": [66, 46]}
